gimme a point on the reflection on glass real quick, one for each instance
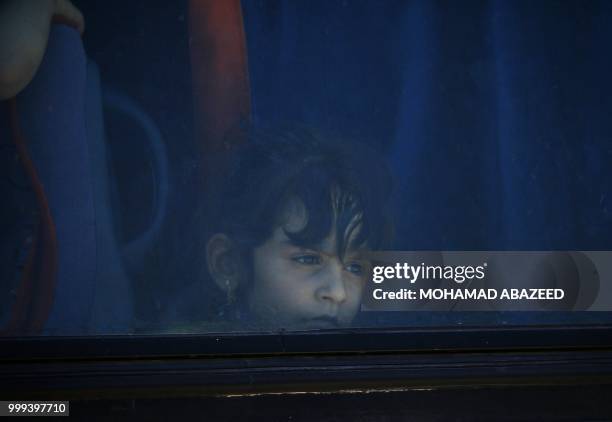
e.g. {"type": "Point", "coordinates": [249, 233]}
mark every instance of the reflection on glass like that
{"type": "Point", "coordinates": [489, 119]}
{"type": "Point", "coordinates": [288, 222]}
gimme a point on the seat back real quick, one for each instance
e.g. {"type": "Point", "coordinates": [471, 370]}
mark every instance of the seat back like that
{"type": "Point", "coordinates": [60, 118]}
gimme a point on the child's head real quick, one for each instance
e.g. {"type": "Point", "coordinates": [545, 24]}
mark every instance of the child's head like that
{"type": "Point", "coordinates": [289, 223]}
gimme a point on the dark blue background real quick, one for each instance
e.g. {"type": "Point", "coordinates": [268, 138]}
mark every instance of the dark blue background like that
{"type": "Point", "coordinates": [496, 116]}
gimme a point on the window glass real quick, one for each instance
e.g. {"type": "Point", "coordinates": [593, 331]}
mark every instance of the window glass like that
{"type": "Point", "coordinates": [197, 167]}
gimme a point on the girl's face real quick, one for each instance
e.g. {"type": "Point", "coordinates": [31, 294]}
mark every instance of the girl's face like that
{"type": "Point", "coordinates": [298, 288]}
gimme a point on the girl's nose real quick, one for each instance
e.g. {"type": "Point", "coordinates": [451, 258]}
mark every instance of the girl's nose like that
{"type": "Point", "coordinates": [333, 288]}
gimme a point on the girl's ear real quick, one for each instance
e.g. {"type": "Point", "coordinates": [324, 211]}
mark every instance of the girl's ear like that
{"type": "Point", "coordinates": [224, 263]}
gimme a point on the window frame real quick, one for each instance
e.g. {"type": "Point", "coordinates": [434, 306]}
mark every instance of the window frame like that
{"type": "Point", "coordinates": [224, 365]}
{"type": "Point", "coordinates": [337, 341]}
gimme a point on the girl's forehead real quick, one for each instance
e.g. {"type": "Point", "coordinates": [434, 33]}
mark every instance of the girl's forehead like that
{"type": "Point", "coordinates": [296, 219]}
{"type": "Point", "coordinates": [327, 246]}
{"type": "Point", "coordinates": [294, 216]}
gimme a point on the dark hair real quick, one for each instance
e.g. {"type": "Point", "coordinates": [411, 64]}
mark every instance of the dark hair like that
{"type": "Point", "coordinates": [338, 182]}
{"type": "Point", "coordinates": [250, 185]}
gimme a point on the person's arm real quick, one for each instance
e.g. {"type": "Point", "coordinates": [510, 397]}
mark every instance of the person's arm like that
{"type": "Point", "coordinates": [24, 31]}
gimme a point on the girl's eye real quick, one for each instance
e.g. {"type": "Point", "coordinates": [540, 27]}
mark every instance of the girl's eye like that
{"type": "Point", "coordinates": [308, 259]}
{"type": "Point", "coordinates": [355, 268]}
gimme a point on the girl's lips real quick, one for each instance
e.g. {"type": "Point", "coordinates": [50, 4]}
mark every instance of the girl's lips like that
{"type": "Point", "coordinates": [323, 322]}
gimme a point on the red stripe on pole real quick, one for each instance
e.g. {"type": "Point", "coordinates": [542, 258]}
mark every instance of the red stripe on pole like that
{"type": "Point", "coordinates": [220, 71]}
{"type": "Point", "coordinates": [36, 290]}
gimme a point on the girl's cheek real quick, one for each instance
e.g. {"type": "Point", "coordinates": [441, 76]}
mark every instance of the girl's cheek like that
{"type": "Point", "coordinates": [356, 289]}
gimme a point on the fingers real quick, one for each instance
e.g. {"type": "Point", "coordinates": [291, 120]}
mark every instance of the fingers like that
{"type": "Point", "coordinates": [66, 12]}
{"type": "Point", "coordinates": [24, 29]}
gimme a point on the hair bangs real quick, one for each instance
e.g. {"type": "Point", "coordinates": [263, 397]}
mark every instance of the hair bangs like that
{"type": "Point", "coordinates": [330, 203]}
